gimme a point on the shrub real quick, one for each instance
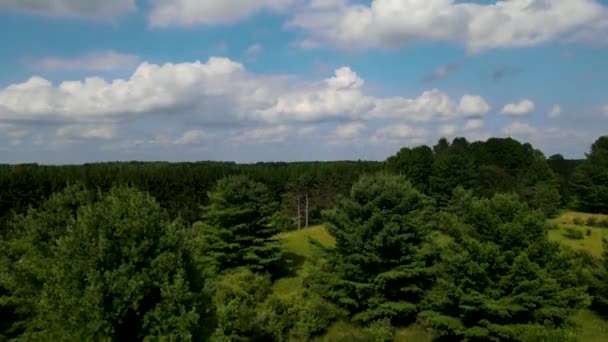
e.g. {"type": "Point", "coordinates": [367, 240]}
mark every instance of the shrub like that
{"type": "Point", "coordinates": [578, 221]}
{"type": "Point", "coordinates": [573, 233]}
{"type": "Point", "coordinates": [592, 221]}
{"type": "Point", "coordinates": [603, 223]}
{"type": "Point", "coordinates": [588, 232]}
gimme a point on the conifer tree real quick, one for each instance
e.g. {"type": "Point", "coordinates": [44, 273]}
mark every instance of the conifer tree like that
{"type": "Point", "coordinates": [378, 267]}
{"type": "Point", "coordinates": [237, 229]}
{"type": "Point", "coordinates": [502, 280]}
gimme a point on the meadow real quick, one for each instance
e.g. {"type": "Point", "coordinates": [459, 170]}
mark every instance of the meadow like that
{"type": "Point", "coordinates": [301, 252]}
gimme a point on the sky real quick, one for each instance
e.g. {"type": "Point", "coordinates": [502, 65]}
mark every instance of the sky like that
{"type": "Point", "coordinates": [293, 80]}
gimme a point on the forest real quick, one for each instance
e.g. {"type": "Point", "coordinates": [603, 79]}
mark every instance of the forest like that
{"type": "Point", "coordinates": [460, 241]}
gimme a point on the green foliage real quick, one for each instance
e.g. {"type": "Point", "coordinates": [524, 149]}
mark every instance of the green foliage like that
{"type": "Point", "coordinates": [588, 233]}
{"type": "Point", "coordinates": [378, 267]}
{"type": "Point", "coordinates": [591, 179]}
{"type": "Point", "coordinates": [578, 221]}
{"type": "Point", "coordinates": [108, 268]}
{"type": "Point", "coordinates": [502, 280]}
{"type": "Point", "coordinates": [415, 164]}
{"type": "Point", "coordinates": [574, 234]}
{"type": "Point", "coordinates": [238, 230]}
{"type": "Point", "coordinates": [247, 310]}
{"type": "Point", "coordinates": [591, 221]}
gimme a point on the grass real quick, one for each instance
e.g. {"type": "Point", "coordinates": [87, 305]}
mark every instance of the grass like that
{"type": "Point", "coordinates": [591, 243]}
{"type": "Point", "coordinates": [591, 327]}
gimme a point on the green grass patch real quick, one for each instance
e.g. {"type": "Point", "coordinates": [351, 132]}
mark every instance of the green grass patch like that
{"type": "Point", "coordinates": [591, 243]}
{"type": "Point", "coordinates": [591, 327]}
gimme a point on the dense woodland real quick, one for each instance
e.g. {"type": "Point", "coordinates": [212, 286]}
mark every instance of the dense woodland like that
{"type": "Point", "coordinates": [187, 251]}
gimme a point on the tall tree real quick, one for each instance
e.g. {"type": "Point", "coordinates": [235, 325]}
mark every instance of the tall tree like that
{"type": "Point", "coordinates": [502, 280]}
{"type": "Point", "coordinates": [106, 269]}
{"type": "Point", "coordinates": [591, 179]}
{"type": "Point", "coordinates": [237, 230]}
{"type": "Point", "coordinates": [415, 164]}
{"type": "Point", "coordinates": [378, 267]}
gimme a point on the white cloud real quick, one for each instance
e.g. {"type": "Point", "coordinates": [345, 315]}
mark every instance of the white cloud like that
{"type": "Point", "coordinates": [349, 131]}
{"type": "Point", "coordinates": [394, 23]}
{"type": "Point", "coordinates": [221, 91]}
{"type": "Point", "coordinates": [97, 61]}
{"type": "Point", "coordinates": [75, 132]}
{"type": "Point", "coordinates": [473, 105]}
{"type": "Point", "coordinates": [555, 112]}
{"type": "Point", "coordinates": [307, 131]}
{"type": "Point", "coordinates": [270, 134]}
{"type": "Point", "coordinates": [473, 125]}
{"type": "Point", "coordinates": [519, 129]}
{"type": "Point", "coordinates": [182, 13]}
{"type": "Point", "coordinates": [447, 130]}
{"type": "Point", "coordinates": [399, 133]}
{"type": "Point", "coordinates": [524, 107]}
{"type": "Point", "coordinates": [192, 137]}
{"type": "Point", "coordinates": [71, 8]}
{"type": "Point", "coordinates": [605, 110]}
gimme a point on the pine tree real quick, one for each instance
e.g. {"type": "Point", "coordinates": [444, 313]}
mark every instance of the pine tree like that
{"type": "Point", "coordinates": [237, 229]}
{"type": "Point", "coordinates": [502, 280]}
{"type": "Point", "coordinates": [378, 268]}
{"type": "Point", "coordinates": [591, 179]}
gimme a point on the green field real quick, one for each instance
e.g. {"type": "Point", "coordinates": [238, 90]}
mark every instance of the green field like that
{"type": "Point", "coordinates": [591, 243]}
{"type": "Point", "coordinates": [300, 252]}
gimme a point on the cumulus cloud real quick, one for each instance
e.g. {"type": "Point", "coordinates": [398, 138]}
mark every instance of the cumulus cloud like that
{"type": "Point", "coordinates": [472, 105]}
{"type": "Point", "coordinates": [181, 13]}
{"type": "Point", "coordinates": [70, 8]}
{"type": "Point", "coordinates": [447, 130]}
{"type": "Point", "coordinates": [192, 137]}
{"type": "Point", "coordinates": [519, 129]}
{"type": "Point", "coordinates": [555, 112]}
{"type": "Point", "coordinates": [400, 133]}
{"type": "Point", "coordinates": [222, 91]}
{"type": "Point", "coordinates": [76, 132]}
{"type": "Point", "coordinates": [524, 107]}
{"type": "Point", "coordinates": [349, 131]}
{"type": "Point", "coordinates": [473, 125]}
{"type": "Point", "coordinates": [394, 23]}
{"type": "Point", "coordinates": [96, 61]}
{"type": "Point", "coordinates": [270, 134]}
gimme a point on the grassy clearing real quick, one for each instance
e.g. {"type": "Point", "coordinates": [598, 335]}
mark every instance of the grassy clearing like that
{"type": "Point", "coordinates": [591, 327]}
{"type": "Point", "coordinates": [591, 243]}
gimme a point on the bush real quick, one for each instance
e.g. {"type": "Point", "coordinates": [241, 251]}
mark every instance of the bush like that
{"type": "Point", "coordinates": [573, 233]}
{"type": "Point", "coordinates": [603, 223]}
{"type": "Point", "coordinates": [578, 221]}
{"type": "Point", "coordinates": [592, 221]}
{"type": "Point", "coordinates": [588, 232]}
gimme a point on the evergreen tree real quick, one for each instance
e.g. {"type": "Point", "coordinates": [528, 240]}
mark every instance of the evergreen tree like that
{"type": "Point", "coordinates": [108, 269]}
{"type": "Point", "coordinates": [237, 229]}
{"type": "Point", "coordinates": [415, 164]}
{"type": "Point", "coordinates": [378, 267]}
{"type": "Point", "coordinates": [454, 166]}
{"type": "Point", "coordinates": [591, 179]}
{"type": "Point", "coordinates": [502, 280]}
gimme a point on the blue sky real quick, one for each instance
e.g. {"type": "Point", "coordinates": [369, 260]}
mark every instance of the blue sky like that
{"type": "Point", "coordinates": [266, 80]}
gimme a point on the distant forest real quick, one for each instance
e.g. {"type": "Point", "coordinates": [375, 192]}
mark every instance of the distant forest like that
{"type": "Point", "coordinates": [494, 166]}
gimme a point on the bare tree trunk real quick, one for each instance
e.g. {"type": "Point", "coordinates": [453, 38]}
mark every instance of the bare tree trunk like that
{"type": "Point", "coordinates": [307, 210]}
{"type": "Point", "coordinates": [299, 220]}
